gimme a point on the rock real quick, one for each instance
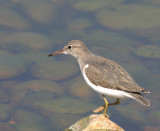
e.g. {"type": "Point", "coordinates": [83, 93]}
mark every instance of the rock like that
{"type": "Point", "coordinates": [94, 5]}
{"type": "Point", "coordinates": [9, 83]}
{"type": "Point", "coordinates": [39, 11]}
{"type": "Point", "coordinates": [132, 114]}
{"type": "Point", "coordinates": [13, 19]}
{"type": "Point", "coordinates": [55, 70]}
{"type": "Point", "coordinates": [107, 39]}
{"type": "Point", "coordinates": [81, 90]}
{"type": "Point", "coordinates": [155, 2]}
{"type": "Point", "coordinates": [6, 127]}
{"type": "Point", "coordinates": [4, 52]}
{"type": "Point", "coordinates": [95, 122]}
{"type": "Point", "coordinates": [63, 105]}
{"type": "Point", "coordinates": [20, 91]}
{"type": "Point", "coordinates": [154, 79]}
{"type": "Point", "coordinates": [80, 23]}
{"type": "Point", "coordinates": [39, 85]}
{"type": "Point", "coordinates": [154, 116]}
{"type": "Point", "coordinates": [137, 71]}
{"type": "Point", "coordinates": [62, 120]}
{"type": "Point", "coordinates": [35, 57]}
{"type": "Point", "coordinates": [4, 113]}
{"type": "Point", "coordinates": [21, 42]}
{"type": "Point", "coordinates": [29, 121]}
{"type": "Point", "coordinates": [11, 66]}
{"type": "Point", "coordinates": [65, 34]}
{"type": "Point", "coordinates": [32, 97]}
{"type": "Point", "coordinates": [129, 16]}
{"type": "Point", "coordinates": [4, 97]}
{"type": "Point", "coordinates": [148, 51]}
{"type": "Point", "coordinates": [152, 34]}
{"type": "Point", "coordinates": [150, 128]}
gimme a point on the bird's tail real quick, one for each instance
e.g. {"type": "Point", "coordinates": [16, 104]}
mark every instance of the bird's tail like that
{"type": "Point", "coordinates": [140, 98]}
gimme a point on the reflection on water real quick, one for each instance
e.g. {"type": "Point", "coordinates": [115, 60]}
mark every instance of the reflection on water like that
{"type": "Point", "coordinates": [38, 93]}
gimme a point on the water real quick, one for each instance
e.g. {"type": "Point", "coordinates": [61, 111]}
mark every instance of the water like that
{"type": "Point", "coordinates": [39, 93]}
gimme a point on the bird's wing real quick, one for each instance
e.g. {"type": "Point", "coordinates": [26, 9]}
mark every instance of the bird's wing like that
{"type": "Point", "coordinates": [109, 74]}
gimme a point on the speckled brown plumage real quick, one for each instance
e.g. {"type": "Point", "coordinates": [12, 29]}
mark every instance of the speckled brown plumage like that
{"type": "Point", "coordinates": [108, 74]}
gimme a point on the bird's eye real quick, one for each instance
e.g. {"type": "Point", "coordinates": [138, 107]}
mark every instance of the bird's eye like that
{"type": "Point", "coordinates": [69, 47]}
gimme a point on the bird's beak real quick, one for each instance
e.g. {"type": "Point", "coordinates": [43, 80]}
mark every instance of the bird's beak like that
{"type": "Point", "coordinates": [57, 52]}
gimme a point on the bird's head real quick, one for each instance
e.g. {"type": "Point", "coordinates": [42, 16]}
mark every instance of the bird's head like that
{"type": "Point", "coordinates": [75, 48]}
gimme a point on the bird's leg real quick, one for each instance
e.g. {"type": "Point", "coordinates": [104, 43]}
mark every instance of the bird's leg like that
{"type": "Point", "coordinates": [115, 103]}
{"type": "Point", "coordinates": [101, 108]}
{"type": "Point", "coordinates": [105, 107]}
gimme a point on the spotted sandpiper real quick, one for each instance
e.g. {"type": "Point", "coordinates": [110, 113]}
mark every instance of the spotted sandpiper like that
{"type": "Point", "coordinates": [103, 75]}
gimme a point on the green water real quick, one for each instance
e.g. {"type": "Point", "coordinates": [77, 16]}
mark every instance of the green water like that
{"type": "Point", "coordinates": [38, 93]}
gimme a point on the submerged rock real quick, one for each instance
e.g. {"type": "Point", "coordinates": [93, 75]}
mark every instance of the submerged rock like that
{"type": "Point", "coordinates": [63, 105]}
{"type": "Point", "coordinates": [39, 10]}
{"type": "Point", "coordinates": [39, 85]}
{"type": "Point", "coordinates": [94, 5]}
{"type": "Point", "coordinates": [80, 23]}
{"type": "Point", "coordinates": [62, 120]}
{"type": "Point", "coordinates": [54, 70]}
{"type": "Point", "coordinates": [152, 34]}
{"type": "Point", "coordinates": [25, 41]}
{"type": "Point", "coordinates": [95, 122]}
{"type": "Point", "coordinates": [32, 97]}
{"type": "Point", "coordinates": [4, 97]}
{"type": "Point", "coordinates": [155, 2]}
{"type": "Point", "coordinates": [6, 127]}
{"type": "Point", "coordinates": [35, 57]}
{"type": "Point", "coordinates": [81, 90]}
{"type": "Point", "coordinates": [4, 113]}
{"type": "Point", "coordinates": [11, 66]}
{"type": "Point", "coordinates": [151, 128]}
{"type": "Point", "coordinates": [129, 16]}
{"type": "Point", "coordinates": [154, 116]}
{"type": "Point", "coordinates": [28, 121]}
{"type": "Point", "coordinates": [13, 19]}
{"type": "Point", "coordinates": [22, 91]}
{"type": "Point", "coordinates": [132, 114]}
{"type": "Point", "coordinates": [148, 51]}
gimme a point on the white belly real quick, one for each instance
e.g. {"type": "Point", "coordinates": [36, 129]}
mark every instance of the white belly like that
{"type": "Point", "coordinates": [105, 91]}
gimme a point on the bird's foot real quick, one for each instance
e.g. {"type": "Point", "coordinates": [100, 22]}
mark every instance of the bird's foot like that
{"type": "Point", "coordinates": [115, 103]}
{"type": "Point", "coordinates": [99, 109]}
{"type": "Point", "coordinates": [105, 114]}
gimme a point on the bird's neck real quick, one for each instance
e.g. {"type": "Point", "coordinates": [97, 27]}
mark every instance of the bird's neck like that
{"type": "Point", "coordinates": [84, 58]}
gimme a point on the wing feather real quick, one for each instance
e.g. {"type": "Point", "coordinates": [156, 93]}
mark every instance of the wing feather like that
{"type": "Point", "coordinates": [109, 74]}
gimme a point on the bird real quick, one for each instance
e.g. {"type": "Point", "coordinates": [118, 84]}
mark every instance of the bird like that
{"type": "Point", "coordinates": [103, 75]}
